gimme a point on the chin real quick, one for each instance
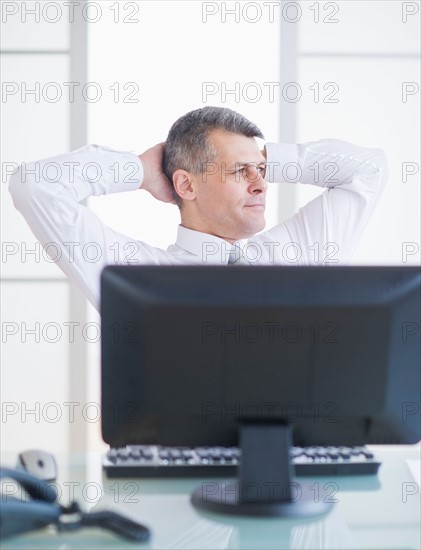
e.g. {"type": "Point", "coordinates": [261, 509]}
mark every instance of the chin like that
{"type": "Point", "coordinates": [259, 227]}
{"type": "Point", "coordinates": [251, 231]}
{"type": "Point", "coordinates": [248, 229]}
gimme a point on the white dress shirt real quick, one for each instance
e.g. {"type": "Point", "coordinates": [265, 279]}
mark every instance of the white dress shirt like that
{"type": "Point", "coordinates": [326, 231]}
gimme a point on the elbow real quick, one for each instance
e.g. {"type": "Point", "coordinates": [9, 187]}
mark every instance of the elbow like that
{"type": "Point", "coordinates": [382, 166]}
{"type": "Point", "coordinates": [16, 187]}
{"type": "Point", "coordinates": [25, 185]}
{"type": "Point", "coordinates": [376, 172]}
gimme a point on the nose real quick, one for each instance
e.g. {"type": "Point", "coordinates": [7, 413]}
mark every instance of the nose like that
{"type": "Point", "coordinates": [257, 183]}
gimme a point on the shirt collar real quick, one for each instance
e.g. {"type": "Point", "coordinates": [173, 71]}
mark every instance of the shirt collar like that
{"type": "Point", "coordinates": [209, 248]}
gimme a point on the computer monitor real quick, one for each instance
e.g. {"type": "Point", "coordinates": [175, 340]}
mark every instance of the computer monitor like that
{"type": "Point", "coordinates": [248, 355]}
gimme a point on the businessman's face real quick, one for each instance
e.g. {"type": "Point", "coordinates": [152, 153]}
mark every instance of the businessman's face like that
{"type": "Point", "coordinates": [231, 193]}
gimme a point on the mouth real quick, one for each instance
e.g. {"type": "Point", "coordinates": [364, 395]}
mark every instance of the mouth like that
{"type": "Point", "coordinates": [259, 206]}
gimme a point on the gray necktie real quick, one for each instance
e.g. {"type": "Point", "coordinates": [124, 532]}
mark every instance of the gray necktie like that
{"type": "Point", "coordinates": [237, 257]}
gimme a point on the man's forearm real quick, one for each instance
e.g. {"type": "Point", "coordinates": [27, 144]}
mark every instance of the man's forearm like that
{"type": "Point", "coordinates": [325, 163]}
{"type": "Point", "coordinates": [91, 170]}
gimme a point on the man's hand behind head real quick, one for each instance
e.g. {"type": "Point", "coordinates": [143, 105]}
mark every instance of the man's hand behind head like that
{"type": "Point", "coordinates": [154, 179]}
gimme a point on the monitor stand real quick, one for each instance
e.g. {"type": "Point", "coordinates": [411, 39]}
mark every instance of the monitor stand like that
{"type": "Point", "coordinates": [265, 486]}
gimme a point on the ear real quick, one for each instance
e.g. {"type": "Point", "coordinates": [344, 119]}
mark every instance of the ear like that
{"type": "Point", "coordinates": [183, 184]}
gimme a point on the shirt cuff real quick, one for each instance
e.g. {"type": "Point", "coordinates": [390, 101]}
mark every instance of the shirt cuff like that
{"type": "Point", "coordinates": [282, 160]}
{"type": "Point", "coordinates": [123, 169]}
{"type": "Point", "coordinates": [136, 180]}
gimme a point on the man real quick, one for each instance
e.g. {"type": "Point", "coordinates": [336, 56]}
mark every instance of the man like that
{"type": "Point", "coordinates": [217, 175]}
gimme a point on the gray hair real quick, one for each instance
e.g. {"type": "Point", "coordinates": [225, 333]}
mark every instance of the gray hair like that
{"type": "Point", "coordinates": [187, 145]}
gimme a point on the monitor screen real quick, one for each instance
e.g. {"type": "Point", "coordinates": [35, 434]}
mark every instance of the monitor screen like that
{"type": "Point", "coordinates": [191, 352]}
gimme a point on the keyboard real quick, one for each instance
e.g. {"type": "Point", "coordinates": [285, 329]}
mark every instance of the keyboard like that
{"type": "Point", "coordinates": [156, 461]}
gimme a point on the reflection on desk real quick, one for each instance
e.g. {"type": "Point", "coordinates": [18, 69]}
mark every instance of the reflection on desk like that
{"type": "Point", "coordinates": [193, 529]}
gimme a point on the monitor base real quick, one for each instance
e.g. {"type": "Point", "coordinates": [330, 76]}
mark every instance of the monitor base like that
{"type": "Point", "coordinates": [224, 497]}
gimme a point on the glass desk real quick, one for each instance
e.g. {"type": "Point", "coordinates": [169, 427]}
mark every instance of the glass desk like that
{"type": "Point", "coordinates": [370, 513]}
